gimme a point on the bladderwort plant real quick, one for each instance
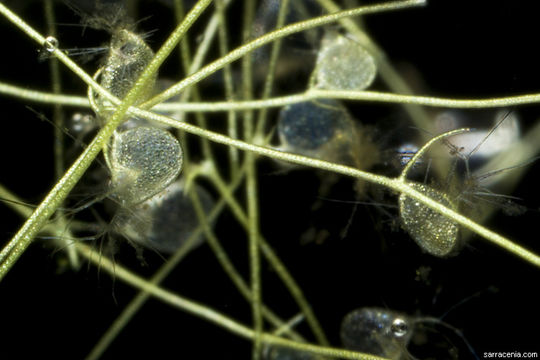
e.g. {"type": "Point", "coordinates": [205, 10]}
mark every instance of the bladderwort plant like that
{"type": "Point", "coordinates": [229, 86]}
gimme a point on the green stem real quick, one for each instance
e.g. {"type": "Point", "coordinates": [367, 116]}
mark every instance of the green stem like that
{"type": "Point", "coordinates": [394, 184]}
{"type": "Point", "coordinates": [58, 120]}
{"type": "Point", "coordinates": [273, 259]}
{"type": "Point", "coordinates": [232, 124]}
{"type": "Point", "coordinates": [251, 188]}
{"type": "Point", "coordinates": [209, 314]}
{"type": "Point", "coordinates": [270, 75]}
{"type": "Point", "coordinates": [421, 152]}
{"type": "Point", "coordinates": [274, 35]}
{"type": "Point", "coordinates": [226, 263]}
{"type": "Point", "coordinates": [313, 94]}
{"type": "Point", "coordinates": [389, 75]}
{"type": "Point", "coordinates": [185, 58]}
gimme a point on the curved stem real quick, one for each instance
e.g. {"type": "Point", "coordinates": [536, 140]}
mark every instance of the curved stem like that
{"type": "Point", "coordinates": [209, 314]}
{"type": "Point", "coordinates": [150, 288]}
{"type": "Point", "coordinates": [58, 120]}
{"type": "Point", "coordinates": [420, 153]}
{"type": "Point", "coordinates": [394, 184]}
{"type": "Point", "coordinates": [313, 94]}
{"type": "Point", "coordinates": [273, 259]}
{"type": "Point", "coordinates": [263, 40]}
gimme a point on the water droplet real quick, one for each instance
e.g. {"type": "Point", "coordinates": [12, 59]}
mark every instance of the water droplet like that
{"type": "Point", "coordinates": [371, 330]}
{"type": "Point", "coordinates": [50, 44]}
{"type": "Point", "coordinates": [144, 161]}
{"type": "Point", "coordinates": [166, 221]}
{"type": "Point", "coordinates": [399, 327]}
{"type": "Point", "coordinates": [432, 231]}
{"type": "Point", "coordinates": [321, 129]}
{"type": "Point", "coordinates": [342, 64]}
{"type": "Point", "coordinates": [128, 57]}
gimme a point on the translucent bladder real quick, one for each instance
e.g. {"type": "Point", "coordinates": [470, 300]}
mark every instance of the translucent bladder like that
{"type": "Point", "coordinates": [321, 129]}
{"type": "Point", "coordinates": [143, 161]}
{"type": "Point", "coordinates": [343, 64]}
{"type": "Point", "coordinates": [433, 232]}
{"type": "Point", "coordinates": [388, 333]}
{"type": "Point", "coordinates": [376, 331]}
{"type": "Point", "coordinates": [166, 221]}
{"type": "Point", "coordinates": [127, 58]}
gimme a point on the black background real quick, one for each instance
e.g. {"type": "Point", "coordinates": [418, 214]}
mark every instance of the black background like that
{"type": "Point", "coordinates": [462, 49]}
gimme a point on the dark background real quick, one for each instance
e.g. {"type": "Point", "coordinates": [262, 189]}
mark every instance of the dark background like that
{"type": "Point", "coordinates": [462, 49]}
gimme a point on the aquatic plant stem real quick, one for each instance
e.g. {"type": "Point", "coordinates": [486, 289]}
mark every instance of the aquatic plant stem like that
{"type": "Point", "coordinates": [523, 253]}
{"type": "Point", "coordinates": [272, 36]}
{"type": "Point", "coordinates": [58, 120]}
{"type": "Point", "coordinates": [394, 184]}
{"type": "Point", "coordinates": [185, 59]}
{"type": "Point", "coordinates": [232, 123]}
{"type": "Point", "coordinates": [209, 314]}
{"type": "Point", "coordinates": [226, 263]}
{"type": "Point", "coordinates": [138, 301]}
{"type": "Point", "coordinates": [275, 262]}
{"type": "Point", "coordinates": [271, 72]}
{"type": "Point", "coordinates": [387, 72]}
{"type": "Point", "coordinates": [252, 195]}
{"type": "Point", "coordinates": [313, 94]}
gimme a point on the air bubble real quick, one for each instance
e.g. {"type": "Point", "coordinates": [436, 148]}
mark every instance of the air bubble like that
{"type": "Point", "coordinates": [342, 64]}
{"type": "Point", "coordinates": [166, 221]}
{"type": "Point", "coordinates": [50, 44]}
{"type": "Point", "coordinates": [128, 57]}
{"type": "Point", "coordinates": [376, 331]}
{"type": "Point", "coordinates": [432, 231]}
{"type": "Point", "coordinates": [399, 327]}
{"type": "Point", "coordinates": [143, 162]}
{"type": "Point", "coordinates": [321, 129]}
